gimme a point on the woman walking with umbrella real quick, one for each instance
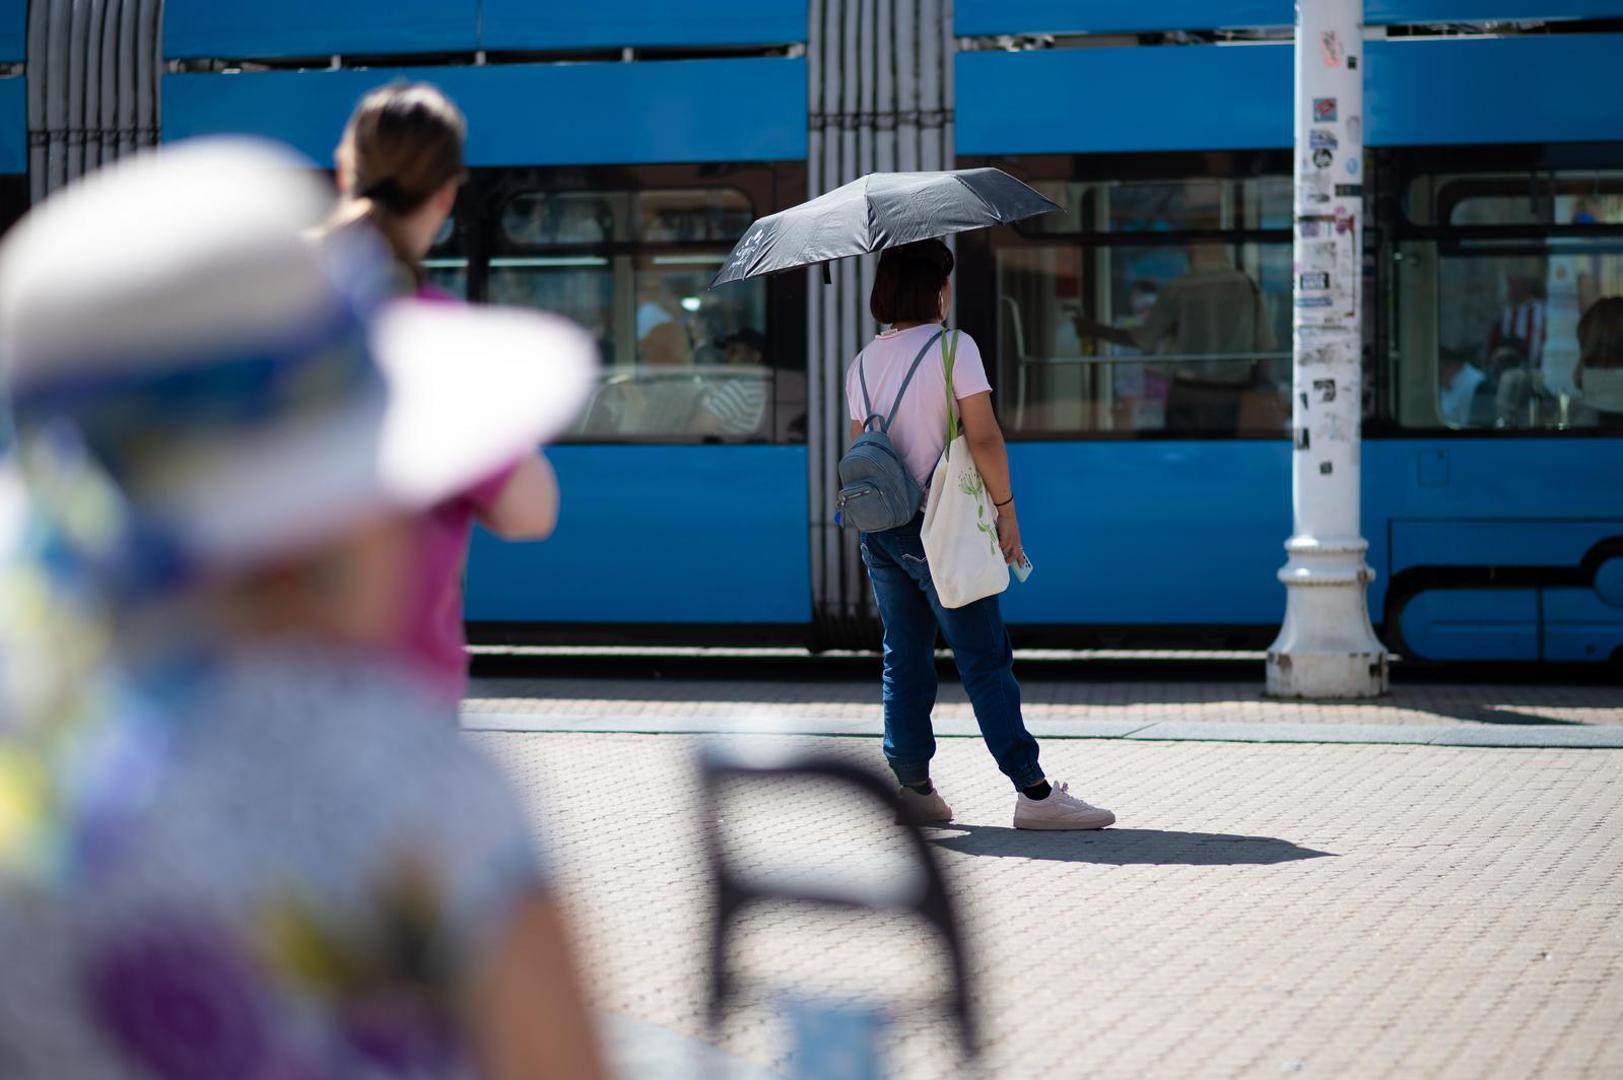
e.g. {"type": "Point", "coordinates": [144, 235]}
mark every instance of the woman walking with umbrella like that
{"type": "Point", "coordinates": [904, 215]}
{"type": "Point", "coordinates": [911, 296]}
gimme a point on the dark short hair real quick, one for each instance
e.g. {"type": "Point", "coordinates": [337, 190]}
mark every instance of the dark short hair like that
{"type": "Point", "coordinates": [1600, 333]}
{"type": "Point", "coordinates": [907, 286]}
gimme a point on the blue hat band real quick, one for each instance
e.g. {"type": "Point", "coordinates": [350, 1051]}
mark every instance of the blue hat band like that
{"type": "Point", "coordinates": [127, 419]}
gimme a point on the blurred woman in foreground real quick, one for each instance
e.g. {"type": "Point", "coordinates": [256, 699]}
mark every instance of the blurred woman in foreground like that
{"type": "Point", "coordinates": [233, 841]}
{"type": "Point", "coordinates": [400, 163]}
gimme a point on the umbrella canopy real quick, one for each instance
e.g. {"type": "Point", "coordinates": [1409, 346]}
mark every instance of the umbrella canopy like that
{"type": "Point", "coordinates": [880, 210]}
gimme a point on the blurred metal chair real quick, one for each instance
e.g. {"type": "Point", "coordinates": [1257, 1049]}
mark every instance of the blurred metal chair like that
{"type": "Point", "coordinates": [924, 893]}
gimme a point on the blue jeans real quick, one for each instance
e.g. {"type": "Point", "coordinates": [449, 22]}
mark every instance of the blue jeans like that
{"type": "Point", "coordinates": [980, 645]}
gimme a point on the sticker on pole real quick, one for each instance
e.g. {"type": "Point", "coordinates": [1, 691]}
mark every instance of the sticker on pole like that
{"type": "Point", "coordinates": [1330, 49]}
{"type": "Point", "coordinates": [1322, 139]}
{"type": "Point", "coordinates": [1322, 159]}
{"type": "Point", "coordinates": [1314, 281]}
{"type": "Point", "coordinates": [1324, 110]}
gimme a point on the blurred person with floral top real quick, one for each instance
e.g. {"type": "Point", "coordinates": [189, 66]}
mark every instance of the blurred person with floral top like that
{"type": "Point", "coordinates": [234, 840]}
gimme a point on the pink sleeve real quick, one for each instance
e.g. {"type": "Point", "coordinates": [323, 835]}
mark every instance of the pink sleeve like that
{"type": "Point", "coordinates": [853, 392]}
{"type": "Point", "coordinates": [483, 495]}
{"type": "Point", "coordinates": [968, 370]}
{"type": "Point", "coordinates": [433, 294]}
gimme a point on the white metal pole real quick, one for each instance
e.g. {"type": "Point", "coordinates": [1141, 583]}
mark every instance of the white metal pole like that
{"type": "Point", "coordinates": [1327, 648]}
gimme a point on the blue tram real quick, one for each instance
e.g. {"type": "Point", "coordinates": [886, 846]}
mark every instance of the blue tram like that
{"type": "Point", "coordinates": [620, 147]}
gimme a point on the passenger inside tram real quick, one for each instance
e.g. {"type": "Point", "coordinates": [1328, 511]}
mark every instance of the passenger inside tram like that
{"type": "Point", "coordinates": [1572, 384]}
{"type": "Point", "coordinates": [662, 333]}
{"type": "Point", "coordinates": [1213, 328]}
{"type": "Point", "coordinates": [1600, 360]}
{"type": "Point", "coordinates": [1465, 392]}
{"type": "Point", "coordinates": [735, 401]}
{"type": "Point", "coordinates": [1521, 319]}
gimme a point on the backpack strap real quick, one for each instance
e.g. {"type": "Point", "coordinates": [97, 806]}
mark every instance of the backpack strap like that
{"type": "Point", "coordinates": [867, 402]}
{"type": "Point", "coordinates": [897, 404]}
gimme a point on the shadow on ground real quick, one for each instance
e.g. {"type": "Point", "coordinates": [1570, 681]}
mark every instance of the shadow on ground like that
{"type": "Point", "coordinates": [1122, 847]}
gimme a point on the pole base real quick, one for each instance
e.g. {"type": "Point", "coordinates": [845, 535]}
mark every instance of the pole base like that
{"type": "Point", "coordinates": [1326, 648]}
{"type": "Point", "coordinates": [1326, 675]}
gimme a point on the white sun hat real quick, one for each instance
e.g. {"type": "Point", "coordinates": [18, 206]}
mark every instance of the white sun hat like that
{"type": "Point", "coordinates": [246, 388]}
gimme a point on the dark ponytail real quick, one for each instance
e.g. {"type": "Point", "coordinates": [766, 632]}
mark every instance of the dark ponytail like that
{"type": "Point", "coordinates": [402, 144]}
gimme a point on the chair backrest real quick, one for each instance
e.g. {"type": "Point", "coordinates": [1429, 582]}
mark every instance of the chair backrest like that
{"type": "Point", "coordinates": [718, 765]}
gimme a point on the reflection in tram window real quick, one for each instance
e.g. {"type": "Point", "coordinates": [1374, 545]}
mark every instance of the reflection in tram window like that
{"type": "Point", "coordinates": [693, 216]}
{"type": "Point", "coordinates": [578, 286]}
{"type": "Point", "coordinates": [1490, 324]}
{"type": "Point", "coordinates": [1115, 331]}
{"type": "Point", "coordinates": [565, 218]}
{"type": "Point", "coordinates": [1180, 205]}
{"type": "Point", "coordinates": [681, 362]}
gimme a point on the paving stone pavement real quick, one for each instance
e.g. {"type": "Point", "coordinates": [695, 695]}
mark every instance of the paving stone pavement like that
{"type": "Point", "coordinates": [1069, 700]}
{"type": "Point", "coordinates": [1326, 910]}
{"type": "Point", "coordinates": [1467, 715]}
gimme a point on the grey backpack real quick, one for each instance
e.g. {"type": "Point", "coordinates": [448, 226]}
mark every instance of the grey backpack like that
{"type": "Point", "coordinates": [877, 492]}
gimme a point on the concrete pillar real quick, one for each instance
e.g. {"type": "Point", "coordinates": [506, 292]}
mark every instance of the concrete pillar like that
{"type": "Point", "coordinates": [1327, 648]}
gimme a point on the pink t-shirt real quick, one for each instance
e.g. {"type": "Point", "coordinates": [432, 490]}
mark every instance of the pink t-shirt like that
{"type": "Point", "coordinates": [434, 645]}
{"type": "Point", "coordinates": [919, 431]}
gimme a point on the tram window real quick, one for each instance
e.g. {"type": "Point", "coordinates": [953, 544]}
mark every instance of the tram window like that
{"type": "Point", "coordinates": [681, 363]}
{"type": "Point", "coordinates": [1499, 199]}
{"type": "Point", "coordinates": [1511, 331]}
{"type": "Point", "coordinates": [1196, 204]}
{"type": "Point", "coordinates": [566, 218]}
{"type": "Point", "coordinates": [446, 266]}
{"type": "Point", "coordinates": [692, 215]}
{"type": "Point", "coordinates": [578, 286]}
{"type": "Point", "coordinates": [1105, 329]}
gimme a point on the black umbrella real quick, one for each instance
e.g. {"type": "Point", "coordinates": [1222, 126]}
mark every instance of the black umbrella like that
{"type": "Point", "coordinates": [879, 211]}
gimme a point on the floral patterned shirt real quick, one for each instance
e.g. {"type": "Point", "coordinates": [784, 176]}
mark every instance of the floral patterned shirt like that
{"type": "Point", "coordinates": [286, 877]}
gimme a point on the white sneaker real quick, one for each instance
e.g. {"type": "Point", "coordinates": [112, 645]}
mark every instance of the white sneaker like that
{"type": "Point", "coordinates": [1061, 810]}
{"type": "Point", "coordinates": [929, 809]}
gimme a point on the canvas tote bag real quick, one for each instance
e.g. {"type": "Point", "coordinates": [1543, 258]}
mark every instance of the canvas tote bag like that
{"type": "Point", "coordinates": [960, 522]}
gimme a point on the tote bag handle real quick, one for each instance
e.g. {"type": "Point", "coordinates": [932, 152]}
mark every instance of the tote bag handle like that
{"type": "Point", "coordinates": [949, 358]}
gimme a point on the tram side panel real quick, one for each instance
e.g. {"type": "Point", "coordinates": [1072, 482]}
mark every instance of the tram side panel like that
{"type": "Point", "coordinates": [707, 536]}
{"type": "Point", "coordinates": [1499, 549]}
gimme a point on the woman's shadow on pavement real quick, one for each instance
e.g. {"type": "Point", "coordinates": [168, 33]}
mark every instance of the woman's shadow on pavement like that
{"type": "Point", "coordinates": [1121, 847]}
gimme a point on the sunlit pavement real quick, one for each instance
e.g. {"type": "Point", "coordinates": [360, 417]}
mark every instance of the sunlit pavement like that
{"type": "Point", "coordinates": [1460, 715]}
{"type": "Point", "coordinates": [1331, 909]}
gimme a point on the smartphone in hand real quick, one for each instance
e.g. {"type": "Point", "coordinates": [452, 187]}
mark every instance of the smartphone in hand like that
{"type": "Point", "coordinates": [1022, 568]}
